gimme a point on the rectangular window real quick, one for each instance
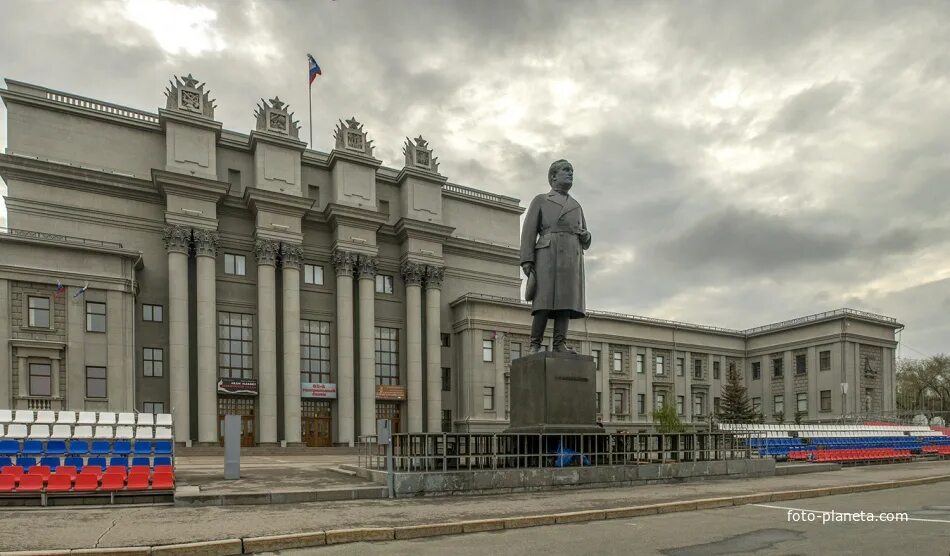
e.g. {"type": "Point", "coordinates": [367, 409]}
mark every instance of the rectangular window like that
{"type": "Point", "coordinates": [778, 370]}
{"type": "Point", "coordinates": [825, 396]}
{"type": "Point", "coordinates": [800, 365]}
{"type": "Point", "coordinates": [639, 362]}
{"type": "Point", "coordinates": [680, 363]}
{"type": "Point", "coordinates": [698, 404]}
{"type": "Point", "coordinates": [387, 356]}
{"type": "Point", "coordinates": [824, 361]}
{"type": "Point", "coordinates": [153, 407]}
{"type": "Point", "coordinates": [756, 370]}
{"type": "Point", "coordinates": [716, 371]}
{"type": "Point", "coordinates": [152, 313]}
{"type": "Point", "coordinates": [680, 402]}
{"type": "Point", "coordinates": [659, 400]}
{"type": "Point", "coordinates": [95, 317]}
{"type": "Point", "coordinates": [488, 351]}
{"type": "Point", "coordinates": [618, 396]}
{"type": "Point", "coordinates": [39, 308]}
{"type": "Point", "coordinates": [717, 404]}
{"type": "Point", "coordinates": [618, 361]}
{"type": "Point", "coordinates": [235, 264]}
{"type": "Point", "coordinates": [446, 420]}
{"type": "Point", "coordinates": [41, 379]}
{"type": "Point", "coordinates": [313, 274]}
{"type": "Point", "coordinates": [802, 399]}
{"type": "Point", "coordinates": [153, 361]}
{"type": "Point", "coordinates": [641, 404]}
{"type": "Point", "coordinates": [778, 404]}
{"type": "Point", "coordinates": [95, 382]}
{"type": "Point", "coordinates": [595, 353]}
{"type": "Point", "coordinates": [384, 283]}
{"type": "Point", "coordinates": [756, 405]}
{"type": "Point", "coordinates": [446, 379]}
{"type": "Point", "coordinates": [235, 345]}
{"type": "Point", "coordinates": [659, 365]}
{"type": "Point", "coordinates": [488, 398]}
{"type": "Point", "coordinates": [697, 368]}
{"type": "Point", "coordinates": [446, 340]}
{"type": "Point", "coordinates": [515, 350]}
{"type": "Point", "coordinates": [314, 351]}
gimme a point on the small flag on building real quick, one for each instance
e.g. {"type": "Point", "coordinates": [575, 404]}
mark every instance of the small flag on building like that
{"type": "Point", "coordinates": [82, 290]}
{"type": "Point", "coordinates": [314, 68]}
{"type": "Point", "coordinates": [60, 289]}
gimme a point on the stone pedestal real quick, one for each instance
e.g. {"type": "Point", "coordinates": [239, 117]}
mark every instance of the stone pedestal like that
{"type": "Point", "coordinates": [553, 393]}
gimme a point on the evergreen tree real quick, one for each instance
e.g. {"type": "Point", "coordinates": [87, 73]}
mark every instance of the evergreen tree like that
{"type": "Point", "coordinates": [735, 406]}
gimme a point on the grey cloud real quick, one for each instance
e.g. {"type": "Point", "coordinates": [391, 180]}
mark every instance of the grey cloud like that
{"type": "Point", "coordinates": [809, 109]}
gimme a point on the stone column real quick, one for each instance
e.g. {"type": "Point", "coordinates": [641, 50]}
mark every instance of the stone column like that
{"type": "Point", "coordinates": [344, 262]}
{"type": "Point", "coordinates": [434, 277]}
{"type": "Point", "coordinates": [412, 274]}
{"type": "Point", "coordinates": [177, 239]}
{"type": "Point", "coordinates": [206, 249]}
{"type": "Point", "coordinates": [266, 252]}
{"type": "Point", "coordinates": [6, 371]}
{"type": "Point", "coordinates": [498, 354]}
{"type": "Point", "coordinates": [290, 257]}
{"type": "Point", "coordinates": [366, 267]}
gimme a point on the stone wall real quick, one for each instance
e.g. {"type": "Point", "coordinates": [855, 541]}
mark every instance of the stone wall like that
{"type": "Point", "coordinates": [870, 371]}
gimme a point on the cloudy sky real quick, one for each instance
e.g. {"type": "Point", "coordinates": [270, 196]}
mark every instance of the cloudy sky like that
{"type": "Point", "coordinates": [739, 163]}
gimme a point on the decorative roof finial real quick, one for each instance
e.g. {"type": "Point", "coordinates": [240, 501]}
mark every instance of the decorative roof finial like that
{"type": "Point", "coordinates": [187, 95]}
{"type": "Point", "coordinates": [419, 155]}
{"type": "Point", "coordinates": [273, 116]}
{"type": "Point", "coordinates": [352, 137]}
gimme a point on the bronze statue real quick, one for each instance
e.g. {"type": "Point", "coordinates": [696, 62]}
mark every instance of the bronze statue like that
{"type": "Point", "coordinates": [553, 241]}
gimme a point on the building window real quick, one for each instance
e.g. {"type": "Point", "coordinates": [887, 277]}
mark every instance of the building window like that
{"type": "Point", "coordinates": [619, 397]}
{"type": "Point", "coordinates": [717, 404]}
{"type": "Point", "coordinates": [697, 368]}
{"type": "Point", "coordinates": [595, 353]}
{"type": "Point", "coordinates": [446, 379]}
{"type": "Point", "coordinates": [313, 274]}
{"type": "Point", "coordinates": [680, 402]}
{"type": "Point", "coordinates": [659, 365]}
{"type": "Point", "coordinates": [777, 368]}
{"type": "Point", "coordinates": [235, 264]}
{"type": "Point", "coordinates": [756, 370]}
{"type": "Point", "coordinates": [95, 382]}
{"type": "Point", "coordinates": [95, 317]}
{"type": "Point", "coordinates": [802, 399]}
{"type": "Point", "coordinates": [384, 283]}
{"type": "Point", "coordinates": [314, 351]}
{"type": "Point", "coordinates": [617, 361]}
{"type": "Point", "coordinates": [824, 361]}
{"type": "Point", "coordinates": [387, 356]}
{"type": "Point", "coordinates": [659, 400]}
{"type": "Point", "coordinates": [778, 404]}
{"type": "Point", "coordinates": [153, 407]}
{"type": "Point", "coordinates": [515, 350]}
{"type": "Point", "coordinates": [488, 398]}
{"type": "Point", "coordinates": [235, 345]}
{"type": "Point", "coordinates": [680, 363]}
{"type": "Point", "coordinates": [756, 405]}
{"type": "Point", "coordinates": [152, 313]}
{"type": "Point", "coordinates": [153, 360]}
{"type": "Point", "coordinates": [488, 351]}
{"type": "Point", "coordinates": [698, 404]}
{"type": "Point", "coordinates": [716, 370]}
{"type": "Point", "coordinates": [41, 379]}
{"type": "Point", "coordinates": [446, 420]}
{"type": "Point", "coordinates": [800, 365]}
{"type": "Point", "coordinates": [641, 404]}
{"type": "Point", "coordinates": [825, 397]}
{"type": "Point", "coordinates": [639, 362]}
{"type": "Point", "coordinates": [446, 340]}
{"type": "Point", "coordinates": [38, 311]}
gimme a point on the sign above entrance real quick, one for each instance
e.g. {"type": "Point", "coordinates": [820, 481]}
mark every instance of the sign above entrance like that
{"type": "Point", "coordinates": [318, 390]}
{"type": "Point", "coordinates": [245, 386]}
{"type": "Point", "coordinates": [390, 392]}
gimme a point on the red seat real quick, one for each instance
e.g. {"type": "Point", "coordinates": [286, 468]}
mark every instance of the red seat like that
{"type": "Point", "coordinates": [14, 470]}
{"type": "Point", "coordinates": [164, 469]}
{"type": "Point", "coordinates": [143, 469]}
{"type": "Point", "coordinates": [113, 482]}
{"type": "Point", "coordinates": [163, 481]}
{"type": "Point", "coordinates": [7, 483]}
{"type": "Point", "coordinates": [59, 482]}
{"type": "Point", "coordinates": [138, 481]}
{"type": "Point", "coordinates": [93, 470]}
{"type": "Point", "coordinates": [66, 470]}
{"type": "Point", "coordinates": [115, 470]}
{"type": "Point", "coordinates": [30, 483]}
{"type": "Point", "coordinates": [41, 470]}
{"type": "Point", "coordinates": [86, 482]}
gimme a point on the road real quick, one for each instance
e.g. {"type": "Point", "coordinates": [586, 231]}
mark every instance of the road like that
{"type": "Point", "coordinates": [752, 529]}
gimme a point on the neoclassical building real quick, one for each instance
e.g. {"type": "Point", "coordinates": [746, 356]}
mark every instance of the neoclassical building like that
{"type": "Point", "coordinates": [158, 262]}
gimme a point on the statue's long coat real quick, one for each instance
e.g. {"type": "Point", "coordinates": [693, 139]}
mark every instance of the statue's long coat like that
{"type": "Point", "coordinates": [550, 240]}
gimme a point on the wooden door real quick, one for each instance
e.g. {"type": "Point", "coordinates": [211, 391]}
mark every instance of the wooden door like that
{"type": "Point", "coordinates": [244, 407]}
{"type": "Point", "coordinates": [316, 423]}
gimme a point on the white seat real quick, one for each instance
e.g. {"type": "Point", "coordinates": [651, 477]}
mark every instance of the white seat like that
{"type": "Point", "coordinates": [39, 432]}
{"type": "Point", "coordinates": [61, 431]}
{"type": "Point", "coordinates": [146, 419]}
{"type": "Point", "coordinates": [1, 430]}
{"type": "Point", "coordinates": [163, 433]}
{"type": "Point", "coordinates": [23, 416]}
{"type": "Point", "coordinates": [82, 431]}
{"type": "Point", "coordinates": [163, 419]}
{"type": "Point", "coordinates": [126, 419]}
{"type": "Point", "coordinates": [86, 418]}
{"type": "Point", "coordinates": [66, 418]}
{"type": "Point", "coordinates": [16, 430]}
{"type": "Point", "coordinates": [106, 418]}
{"type": "Point", "coordinates": [45, 417]}
{"type": "Point", "coordinates": [144, 433]}
{"type": "Point", "coordinates": [124, 432]}
{"type": "Point", "coordinates": [103, 432]}
{"type": "Point", "coordinates": [6, 416]}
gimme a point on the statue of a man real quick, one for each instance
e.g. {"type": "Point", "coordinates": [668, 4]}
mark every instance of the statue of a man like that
{"type": "Point", "coordinates": [553, 241]}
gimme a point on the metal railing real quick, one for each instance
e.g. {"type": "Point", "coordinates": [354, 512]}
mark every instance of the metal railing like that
{"type": "Point", "coordinates": [820, 316]}
{"type": "Point", "coordinates": [470, 452]}
{"type": "Point", "coordinates": [479, 194]}
{"type": "Point", "coordinates": [57, 238]}
{"type": "Point", "coordinates": [99, 106]}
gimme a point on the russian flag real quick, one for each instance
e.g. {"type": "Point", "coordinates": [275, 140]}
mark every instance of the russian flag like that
{"type": "Point", "coordinates": [314, 68]}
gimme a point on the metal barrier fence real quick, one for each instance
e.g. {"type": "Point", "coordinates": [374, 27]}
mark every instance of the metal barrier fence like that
{"type": "Point", "coordinates": [457, 451]}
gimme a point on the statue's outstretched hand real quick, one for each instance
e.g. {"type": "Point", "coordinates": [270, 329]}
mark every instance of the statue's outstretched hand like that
{"type": "Point", "coordinates": [527, 268]}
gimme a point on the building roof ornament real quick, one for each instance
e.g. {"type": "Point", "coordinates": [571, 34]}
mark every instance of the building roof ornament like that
{"type": "Point", "coordinates": [350, 136]}
{"type": "Point", "coordinates": [273, 116]}
{"type": "Point", "coordinates": [366, 266]}
{"type": "Point", "coordinates": [412, 273]}
{"type": "Point", "coordinates": [266, 251]}
{"type": "Point", "coordinates": [206, 242]}
{"type": "Point", "coordinates": [291, 255]}
{"type": "Point", "coordinates": [343, 262]}
{"type": "Point", "coordinates": [188, 95]}
{"type": "Point", "coordinates": [419, 155]}
{"type": "Point", "coordinates": [177, 238]}
{"type": "Point", "coordinates": [434, 276]}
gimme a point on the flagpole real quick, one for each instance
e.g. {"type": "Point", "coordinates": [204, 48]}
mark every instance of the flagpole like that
{"type": "Point", "coordinates": [310, 109]}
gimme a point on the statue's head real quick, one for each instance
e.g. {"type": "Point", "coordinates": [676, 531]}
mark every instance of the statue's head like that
{"type": "Point", "coordinates": [561, 176]}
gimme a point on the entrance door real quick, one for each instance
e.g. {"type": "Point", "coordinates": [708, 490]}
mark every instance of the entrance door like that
{"type": "Point", "coordinates": [315, 423]}
{"type": "Point", "coordinates": [244, 407]}
{"type": "Point", "coordinates": [389, 410]}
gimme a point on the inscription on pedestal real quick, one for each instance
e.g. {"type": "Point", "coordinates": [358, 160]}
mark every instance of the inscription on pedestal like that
{"type": "Point", "coordinates": [553, 393]}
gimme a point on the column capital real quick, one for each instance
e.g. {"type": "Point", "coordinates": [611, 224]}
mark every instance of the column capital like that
{"type": "Point", "coordinates": [291, 255]}
{"type": "Point", "coordinates": [343, 262]}
{"type": "Point", "coordinates": [177, 238]}
{"type": "Point", "coordinates": [366, 266]}
{"type": "Point", "coordinates": [266, 252]}
{"type": "Point", "coordinates": [206, 242]}
{"type": "Point", "coordinates": [412, 273]}
{"type": "Point", "coordinates": [434, 276]}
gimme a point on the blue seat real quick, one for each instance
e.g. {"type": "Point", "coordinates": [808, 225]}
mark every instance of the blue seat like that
{"type": "Point", "coordinates": [56, 447]}
{"type": "Point", "coordinates": [142, 460]}
{"type": "Point", "coordinates": [122, 448]}
{"type": "Point", "coordinates": [163, 447]}
{"type": "Point", "coordinates": [51, 462]}
{"type": "Point", "coordinates": [9, 447]}
{"type": "Point", "coordinates": [143, 447]}
{"type": "Point", "coordinates": [32, 447]}
{"type": "Point", "coordinates": [78, 447]}
{"type": "Point", "coordinates": [119, 461]}
{"type": "Point", "coordinates": [5, 461]}
{"type": "Point", "coordinates": [101, 447]}
{"type": "Point", "coordinates": [101, 462]}
{"type": "Point", "coordinates": [163, 461]}
{"type": "Point", "coordinates": [26, 463]}
{"type": "Point", "coordinates": [75, 462]}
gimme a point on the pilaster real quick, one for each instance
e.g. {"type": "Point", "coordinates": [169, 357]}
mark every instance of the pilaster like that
{"type": "Point", "coordinates": [344, 263]}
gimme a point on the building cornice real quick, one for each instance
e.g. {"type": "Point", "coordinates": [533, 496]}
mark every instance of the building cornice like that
{"type": "Point", "coordinates": [409, 172]}
{"type": "Point", "coordinates": [281, 141]}
{"type": "Point", "coordinates": [189, 119]}
{"type": "Point", "coordinates": [337, 155]}
{"type": "Point", "coordinates": [406, 228]}
{"type": "Point", "coordinates": [66, 242]}
{"type": "Point", "coordinates": [192, 187]}
{"type": "Point", "coordinates": [481, 250]}
{"type": "Point", "coordinates": [336, 214]}
{"type": "Point", "coordinates": [281, 203]}
{"type": "Point", "coordinates": [67, 176]}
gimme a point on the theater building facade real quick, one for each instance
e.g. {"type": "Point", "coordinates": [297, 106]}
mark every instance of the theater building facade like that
{"type": "Point", "coordinates": [157, 262]}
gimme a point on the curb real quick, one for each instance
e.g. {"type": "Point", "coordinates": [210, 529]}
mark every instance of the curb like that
{"type": "Point", "coordinates": [252, 545]}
